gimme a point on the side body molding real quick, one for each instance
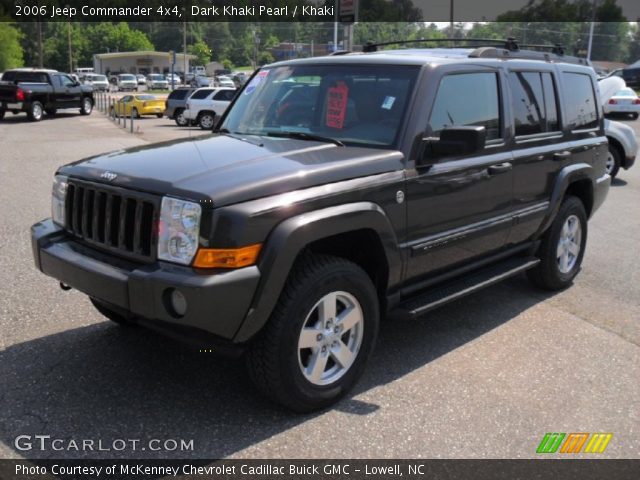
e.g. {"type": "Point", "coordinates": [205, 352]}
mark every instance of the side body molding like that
{"type": "Point", "coordinates": [291, 236]}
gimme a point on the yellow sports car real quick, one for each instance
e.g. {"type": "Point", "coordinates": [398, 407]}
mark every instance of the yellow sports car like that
{"type": "Point", "coordinates": [137, 105]}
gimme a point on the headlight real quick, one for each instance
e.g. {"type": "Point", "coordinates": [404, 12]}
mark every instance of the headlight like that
{"type": "Point", "coordinates": [178, 231]}
{"type": "Point", "coordinates": [58, 195]}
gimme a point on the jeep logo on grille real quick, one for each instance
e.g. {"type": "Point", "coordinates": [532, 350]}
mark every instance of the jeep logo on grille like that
{"type": "Point", "coordinates": [109, 176]}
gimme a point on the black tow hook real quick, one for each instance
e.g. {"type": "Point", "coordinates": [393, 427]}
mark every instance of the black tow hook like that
{"type": "Point", "coordinates": [65, 287]}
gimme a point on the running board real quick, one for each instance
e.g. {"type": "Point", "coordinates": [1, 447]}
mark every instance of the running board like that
{"type": "Point", "coordinates": [419, 304]}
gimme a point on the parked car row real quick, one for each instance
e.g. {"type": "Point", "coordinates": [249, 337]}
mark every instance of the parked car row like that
{"type": "Point", "coordinates": [198, 106]}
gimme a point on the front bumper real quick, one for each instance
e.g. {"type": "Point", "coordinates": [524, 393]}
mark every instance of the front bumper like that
{"type": "Point", "coordinates": [217, 302]}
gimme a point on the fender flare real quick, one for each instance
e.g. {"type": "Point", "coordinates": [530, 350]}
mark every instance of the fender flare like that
{"type": "Point", "coordinates": [567, 176]}
{"type": "Point", "coordinates": [291, 236]}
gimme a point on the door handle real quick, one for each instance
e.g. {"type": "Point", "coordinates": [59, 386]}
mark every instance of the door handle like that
{"type": "Point", "coordinates": [499, 168]}
{"type": "Point", "coordinates": [561, 155]}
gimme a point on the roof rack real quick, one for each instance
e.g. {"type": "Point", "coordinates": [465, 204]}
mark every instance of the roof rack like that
{"type": "Point", "coordinates": [508, 44]}
{"type": "Point", "coordinates": [494, 48]}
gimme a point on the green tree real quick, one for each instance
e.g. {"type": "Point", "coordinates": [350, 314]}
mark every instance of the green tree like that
{"type": "Point", "coordinates": [10, 50]}
{"type": "Point", "coordinates": [200, 50]}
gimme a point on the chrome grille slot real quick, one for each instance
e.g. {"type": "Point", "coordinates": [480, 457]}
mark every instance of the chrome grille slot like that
{"type": "Point", "coordinates": [113, 219]}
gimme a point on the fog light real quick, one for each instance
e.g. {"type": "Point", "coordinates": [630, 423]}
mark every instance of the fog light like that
{"type": "Point", "coordinates": [178, 302]}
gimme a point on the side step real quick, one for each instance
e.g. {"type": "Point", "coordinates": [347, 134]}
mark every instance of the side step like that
{"type": "Point", "coordinates": [452, 290]}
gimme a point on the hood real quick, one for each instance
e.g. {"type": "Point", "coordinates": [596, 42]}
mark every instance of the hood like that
{"type": "Point", "coordinates": [226, 169]}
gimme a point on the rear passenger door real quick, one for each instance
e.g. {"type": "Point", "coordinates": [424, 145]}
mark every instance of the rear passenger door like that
{"type": "Point", "coordinates": [540, 147]}
{"type": "Point", "coordinates": [221, 101]}
{"type": "Point", "coordinates": [458, 206]}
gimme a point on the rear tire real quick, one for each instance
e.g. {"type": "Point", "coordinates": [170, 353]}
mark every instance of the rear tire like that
{"type": "Point", "coordinates": [327, 316]}
{"type": "Point", "coordinates": [35, 112]}
{"type": "Point", "coordinates": [562, 247]}
{"type": "Point", "coordinates": [634, 116]}
{"type": "Point", "coordinates": [178, 117]}
{"type": "Point", "coordinates": [159, 115]}
{"type": "Point", "coordinates": [111, 314]}
{"type": "Point", "coordinates": [613, 161]}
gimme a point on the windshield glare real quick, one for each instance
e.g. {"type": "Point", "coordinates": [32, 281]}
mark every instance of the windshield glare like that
{"type": "Point", "coordinates": [351, 103]}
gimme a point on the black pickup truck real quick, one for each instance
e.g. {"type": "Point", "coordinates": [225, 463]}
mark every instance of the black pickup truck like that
{"type": "Point", "coordinates": [38, 91]}
{"type": "Point", "coordinates": [337, 191]}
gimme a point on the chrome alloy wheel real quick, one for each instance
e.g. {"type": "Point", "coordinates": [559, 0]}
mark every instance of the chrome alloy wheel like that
{"type": "Point", "coordinates": [610, 163]}
{"type": "Point", "coordinates": [569, 244]}
{"type": "Point", "coordinates": [37, 111]}
{"type": "Point", "coordinates": [87, 105]}
{"type": "Point", "coordinates": [330, 338]}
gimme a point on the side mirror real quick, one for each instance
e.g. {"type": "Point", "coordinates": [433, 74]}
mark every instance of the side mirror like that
{"type": "Point", "coordinates": [454, 141]}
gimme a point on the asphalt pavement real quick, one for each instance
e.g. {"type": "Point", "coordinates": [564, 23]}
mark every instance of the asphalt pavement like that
{"type": "Point", "coordinates": [485, 377]}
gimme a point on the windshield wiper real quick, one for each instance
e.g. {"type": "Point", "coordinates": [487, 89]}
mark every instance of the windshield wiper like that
{"type": "Point", "coordinates": [306, 136]}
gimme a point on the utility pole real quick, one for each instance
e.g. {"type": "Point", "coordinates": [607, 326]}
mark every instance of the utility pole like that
{"type": "Point", "coordinates": [40, 51]}
{"type": "Point", "coordinates": [335, 27]}
{"type": "Point", "coordinates": [591, 27]}
{"type": "Point", "coordinates": [451, 18]}
{"type": "Point", "coordinates": [70, 51]}
{"type": "Point", "coordinates": [184, 49]}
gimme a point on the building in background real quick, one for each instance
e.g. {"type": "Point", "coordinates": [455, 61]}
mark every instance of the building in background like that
{"type": "Point", "coordinates": [139, 62]}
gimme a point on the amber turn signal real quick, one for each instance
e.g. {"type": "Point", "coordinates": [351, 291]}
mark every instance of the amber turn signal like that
{"type": "Point", "coordinates": [227, 257]}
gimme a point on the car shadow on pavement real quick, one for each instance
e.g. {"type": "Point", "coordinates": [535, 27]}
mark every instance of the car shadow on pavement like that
{"type": "Point", "coordinates": [618, 182]}
{"type": "Point", "coordinates": [105, 382]}
{"type": "Point", "coordinates": [11, 119]}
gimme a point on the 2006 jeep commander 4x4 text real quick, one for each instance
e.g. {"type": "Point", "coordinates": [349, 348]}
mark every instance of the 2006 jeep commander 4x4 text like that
{"type": "Point", "coordinates": [338, 190]}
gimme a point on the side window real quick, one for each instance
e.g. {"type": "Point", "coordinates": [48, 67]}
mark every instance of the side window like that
{"type": "Point", "coordinates": [467, 99]}
{"type": "Point", "coordinates": [224, 95]}
{"type": "Point", "coordinates": [580, 101]}
{"type": "Point", "coordinates": [64, 81]}
{"type": "Point", "coordinates": [533, 102]}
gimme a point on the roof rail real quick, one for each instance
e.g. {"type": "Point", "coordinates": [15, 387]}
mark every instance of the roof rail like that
{"type": "Point", "coordinates": [508, 44]}
{"type": "Point", "coordinates": [553, 56]}
{"type": "Point", "coordinates": [340, 52]}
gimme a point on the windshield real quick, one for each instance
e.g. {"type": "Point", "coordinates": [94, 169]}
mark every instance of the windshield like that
{"type": "Point", "coordinates": [99, 78]}
{"type": "Point", "coordinates": [145, 97]}
{"type": "Point", "coordinates": [362, 105]}
{"type": "Point", "coordinates": [156, 77]}
{"type": "Point", "coordinates": [127, 77]}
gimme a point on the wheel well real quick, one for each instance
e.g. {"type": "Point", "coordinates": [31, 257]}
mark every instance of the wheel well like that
{"type": "Point", "coordinates": [584, 191]}
{"type": "Point", "coordinates": [617, 145]}
{"type": "Point", "coordinates": [362, 247]}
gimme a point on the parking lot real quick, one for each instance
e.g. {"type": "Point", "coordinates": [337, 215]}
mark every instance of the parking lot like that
{"type": "Point", "coordinates": [485, 377]}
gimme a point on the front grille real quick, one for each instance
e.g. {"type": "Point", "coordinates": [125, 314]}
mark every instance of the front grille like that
{"type": "Point", "coordinates": [113, 219]}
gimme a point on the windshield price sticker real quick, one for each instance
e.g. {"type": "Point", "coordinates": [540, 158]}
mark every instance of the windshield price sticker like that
{"type": "Point", "coordinates": [337, 105]}
{"type": "Point", "coordinates": [256, 81]}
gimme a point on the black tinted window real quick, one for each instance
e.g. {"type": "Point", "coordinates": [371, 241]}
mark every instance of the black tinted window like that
{"type": "Point", "coordinates": [28, 77]}
{"type": "Point", "coordinates": [580, 101]}
{"type": "Point", "coordinates": [534, 102]}
{"type": "Point", "coordinates": [178, 94]}
{"type": "Point", "coordinates": [469, 99]}
{"type": "Point", "coordinates": [224, 95]}
{"type": "Point", "coordinates": [201, 94]}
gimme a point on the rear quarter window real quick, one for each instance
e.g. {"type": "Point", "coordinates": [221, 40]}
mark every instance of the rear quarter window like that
{"type": "Point", "coordinates": [201, 94]}
{"type": "Point", "coordinates": [580, 101]}
{"type": "Point", "coordinates": [178, 94]}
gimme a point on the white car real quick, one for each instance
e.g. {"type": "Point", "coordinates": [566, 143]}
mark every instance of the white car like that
{"type": "Point", "coordinates": [623, 146]}
{"type": "Point", "coordinates": [157, 81]}
{"type": "Point", "coordinates": [223, 81]}
{"type": "Point", "coordinates": [625, 102]}
{"type": "Point", "coordinates": [176, 79]}
{"type": "Point", "coordinates": [200, 81]}
{"type": "Point", "coordinates": [98, 82]}
{"type": "Point", "coordinates": [126, 82]}
{"type": "Point", "coordinates": [205, 104]}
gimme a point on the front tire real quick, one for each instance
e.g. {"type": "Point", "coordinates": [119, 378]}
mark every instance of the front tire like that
{"type": "Point", "coordinates": [87, 106]}
{"type": "Point", "coordinates": [634, 116]}
{"type": "Point", "coordinates": [207, 121]}
{"type": "Point", "coordinates": [562, 247]}
{"type": "Point", "coordinates": [35, 112]}
{"type": "Point", "coordinates": [2, 112]}
{"type": "Point", "coordinates": [134, 113]}
{"type": "Point", "coordinates": [319, 337]}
